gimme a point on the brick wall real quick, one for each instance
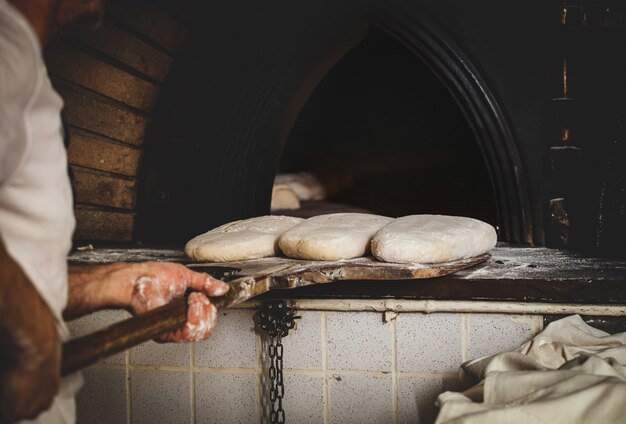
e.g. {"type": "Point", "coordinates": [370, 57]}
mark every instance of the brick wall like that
{"type": "Point", "coordinates": [110, 80]}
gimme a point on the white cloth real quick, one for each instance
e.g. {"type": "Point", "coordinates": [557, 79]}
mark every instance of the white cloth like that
{"type": "Point", "coordinates": [36, 217]}
{"type": "Point", "coordinates": [570, 373]}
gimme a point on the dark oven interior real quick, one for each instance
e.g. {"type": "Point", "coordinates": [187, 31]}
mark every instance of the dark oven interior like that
{"type": "Point", "coordinates": [383, 134]}
{"type": "Point", "coordinates": [181, 114]}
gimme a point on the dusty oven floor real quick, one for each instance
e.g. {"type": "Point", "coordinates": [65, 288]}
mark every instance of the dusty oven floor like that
{"type": "Point", "coordinates": [513, 273]}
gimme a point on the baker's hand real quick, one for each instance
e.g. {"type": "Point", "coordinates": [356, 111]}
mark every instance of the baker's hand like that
{"type": "Point", "coordinates": [140, 287]}
{"type": "Point", "coordinates": [158, 283]}
{"type": "Point", "coordinates": [30, 349]}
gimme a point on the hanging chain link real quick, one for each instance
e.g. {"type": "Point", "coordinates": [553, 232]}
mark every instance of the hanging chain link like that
{"type": "Point", "coordinates": [276, 319]}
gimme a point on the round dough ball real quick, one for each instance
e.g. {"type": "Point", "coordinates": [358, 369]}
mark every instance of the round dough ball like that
{"type": "Point", "coordinates": [332, 237]}
{"type": "Point", "coordinates": [283, 197]}
{"type": "Point", "coordinates": [432, 239]}
{"type": "Point", "coordinates": [241, 240]}
{"type": "Point", "coordinates": [306, 185]}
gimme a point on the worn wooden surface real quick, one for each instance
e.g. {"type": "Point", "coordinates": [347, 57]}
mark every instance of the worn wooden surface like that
{"type": "Point", "coordinates": [512, 274]}
{"type": "Point", "coordinates": [257, 276]}
{"type": "Point", "coordinates": [254, 277]}
{"type": "Point", "coordinates": [506, 262]}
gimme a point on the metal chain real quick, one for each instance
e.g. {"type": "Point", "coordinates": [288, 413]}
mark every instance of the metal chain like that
{"type": "Point", "coordinates": [277, 318]}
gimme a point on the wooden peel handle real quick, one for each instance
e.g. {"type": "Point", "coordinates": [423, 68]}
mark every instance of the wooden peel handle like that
{"type": "Point", "coordinates": [83, 351]}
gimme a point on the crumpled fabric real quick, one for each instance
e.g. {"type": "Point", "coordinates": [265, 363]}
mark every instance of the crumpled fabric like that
{"type": "Point", "coordinates": [569, 373]}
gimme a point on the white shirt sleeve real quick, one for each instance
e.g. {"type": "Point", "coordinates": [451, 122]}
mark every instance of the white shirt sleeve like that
{"type": "Point", "coordinates": [18, 80]}
{"type": "Point", "coordinates": [36, 216]}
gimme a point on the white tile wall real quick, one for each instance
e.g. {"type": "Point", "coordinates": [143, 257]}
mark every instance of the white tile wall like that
{"type": "Point", "coordinates": [358, 341]}
{"type": "Point", "coordinates": [429, 342]}
{"type": "Point", "coordinates": [225, 398]}
{"type": "Point", "coordinates": [304, 399]}
{"type": "Point", "coordinates": [360, 399]}
{"type": "Point", "coordinates": [160, 396]}
{"type": "Point", "coordinates": [304, 343]}
{"type": "Point", "coordinates": [341, 367]}
{"type": "Point", "coordinates": [161, 354]}
{"type": "Point", "coordinates": [492, 333]}
{"type": "Point", "coordinates": [232, 344]}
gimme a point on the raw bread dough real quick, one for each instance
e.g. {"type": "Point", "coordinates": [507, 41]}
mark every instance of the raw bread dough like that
{"type": "Point", "coordinates": [432, 239]}
{"type": "Point", "coordinates": [283, 197]}
{"type": "Point", "coordinates": [306, 185]}
{"type": "Point", "coordinates": [240, 240]}
{"type": "Point", "coordinates": [332, 237]}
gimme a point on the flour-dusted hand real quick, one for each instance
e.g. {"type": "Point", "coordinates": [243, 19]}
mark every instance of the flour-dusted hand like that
{"type": "Point", "coordinates": [140, 287]}
{"type": "Point", "coordinates": [156, 284]}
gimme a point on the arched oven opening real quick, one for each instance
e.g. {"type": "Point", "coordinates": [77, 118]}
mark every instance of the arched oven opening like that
{"type": "Point", "coordinates": [381, 134]}
{"type": "Point", "coordinates": [390, 113]}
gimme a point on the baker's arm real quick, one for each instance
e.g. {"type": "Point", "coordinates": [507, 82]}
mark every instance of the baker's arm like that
{"type": "Point", "coordinates": [139, 287]}
{"type": "Point", "coordinates": [29, 346]}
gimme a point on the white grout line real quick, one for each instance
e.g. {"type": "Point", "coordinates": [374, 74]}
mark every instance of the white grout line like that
{"type": "Point", "coordinates": [433, 375]}
{"type": "Point", "coordinates": [110, 366]}
{"type": "Point", "coordinates": [394, 369]}
{"type": "Point", "coordinates": [464, 337]}
{"type": "Point", "coordinates": [167, 368]}
{"type": "Point", "coordinates": [310, 372]}
{"type": "Point", "coordinates": [192, 381]}
{"type": "Point", "coordinates": [242, 371]}
{"type": "Point", "coordinates": [307, 372]}
{"type": "Point", "coordinates": [326, 394]}
{"type": "Point", "coordinates": [129, 416]}
{"type": "Point", "coordinates": [332, 372]}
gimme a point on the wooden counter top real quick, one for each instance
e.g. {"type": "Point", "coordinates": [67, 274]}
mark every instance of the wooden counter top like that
{"type": "Point", "coordinates": [514, 273]}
